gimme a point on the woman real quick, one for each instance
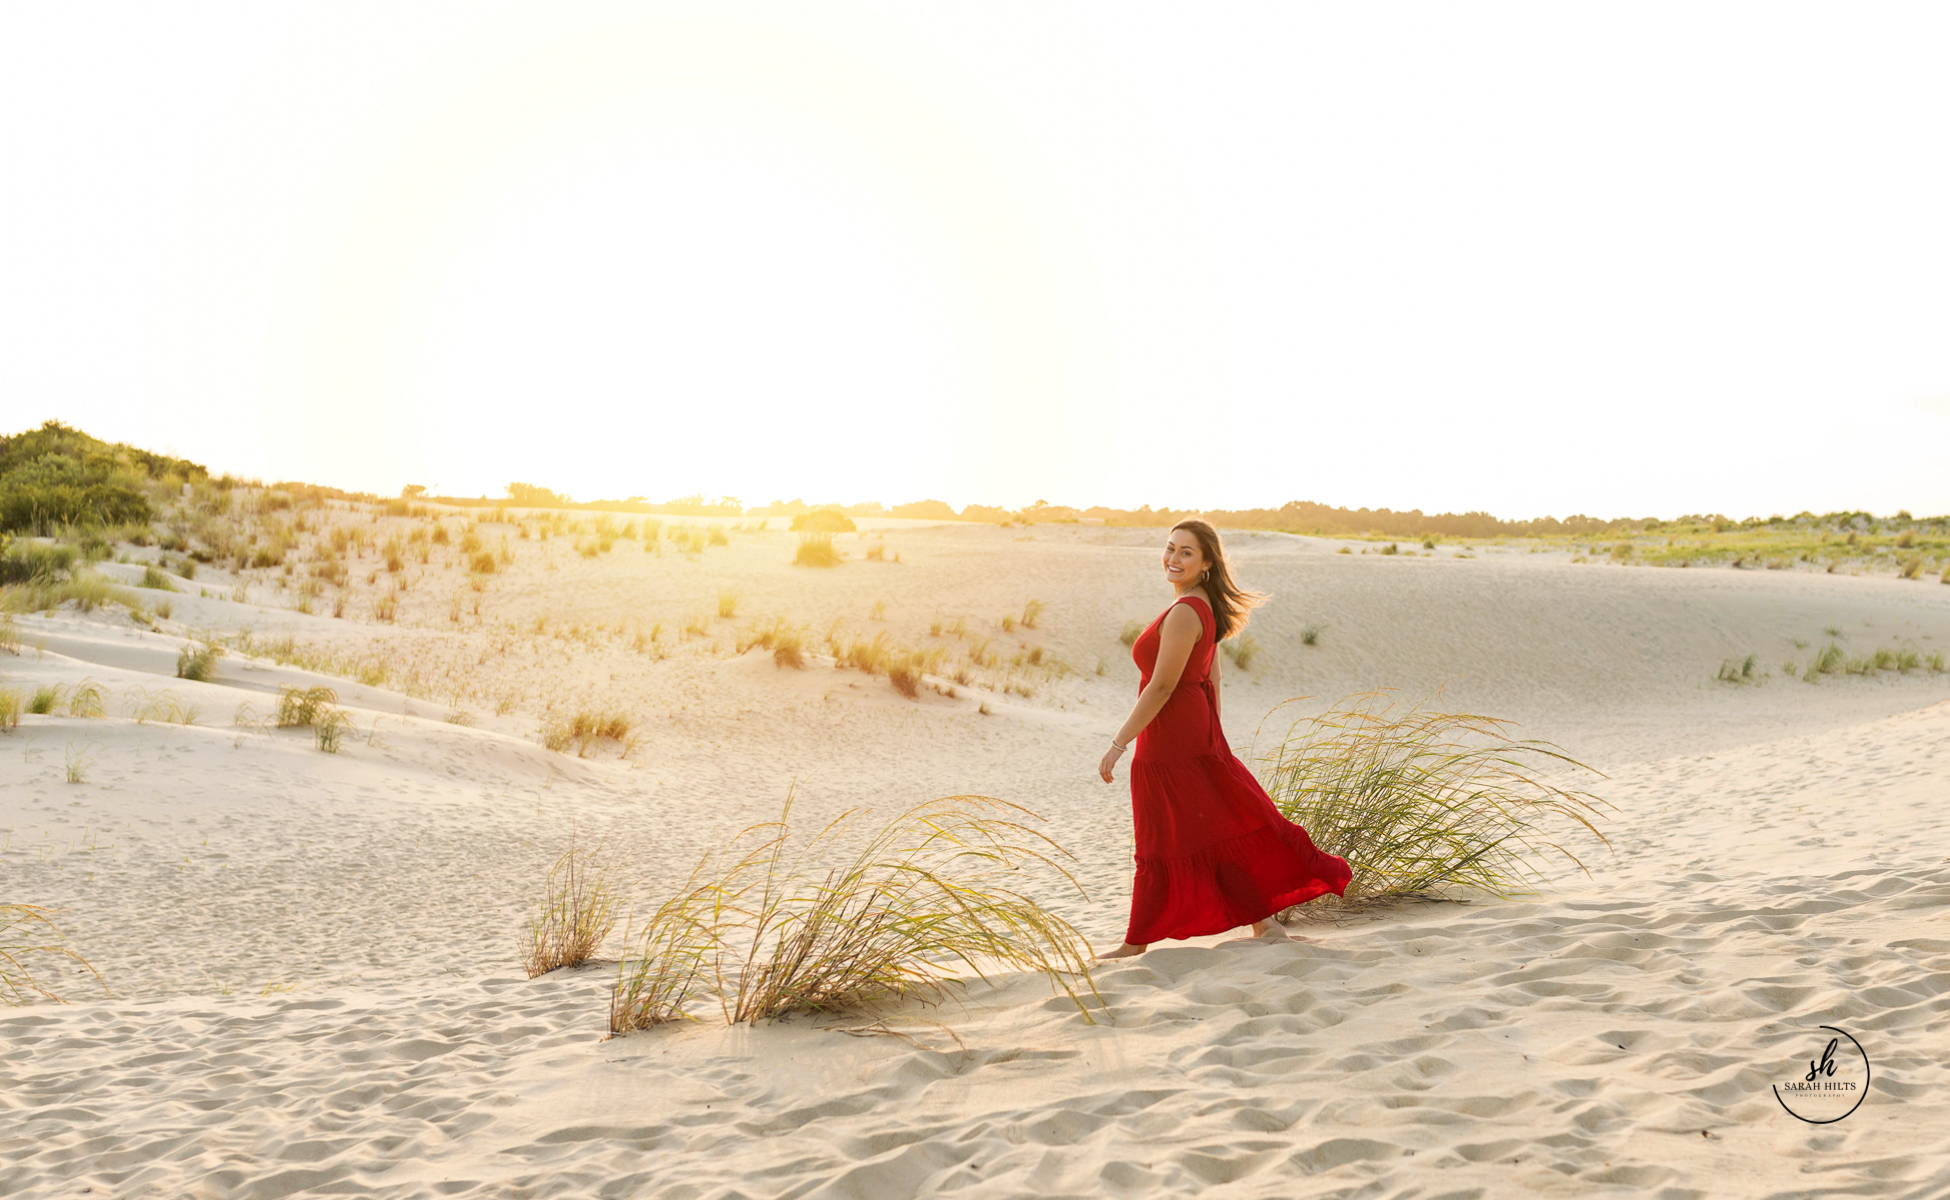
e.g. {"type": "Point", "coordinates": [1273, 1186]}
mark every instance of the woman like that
{"type": "Point", "coordinates": [1213, 853]}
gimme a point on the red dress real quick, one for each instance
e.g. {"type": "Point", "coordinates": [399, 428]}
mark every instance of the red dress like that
{"type": "Point", "coordinates": [1213, 853]}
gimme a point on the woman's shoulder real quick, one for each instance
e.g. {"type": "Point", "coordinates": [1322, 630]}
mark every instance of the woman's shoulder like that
{"type": "Point", "coordinates": [1201, 612]}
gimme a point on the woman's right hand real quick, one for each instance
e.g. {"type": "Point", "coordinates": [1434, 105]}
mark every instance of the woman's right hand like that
{"type": "Point", "coordinates": [1109, 762]}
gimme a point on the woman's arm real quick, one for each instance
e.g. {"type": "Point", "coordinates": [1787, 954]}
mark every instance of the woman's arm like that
{"type": "Point", "coordinates": [1175, 641]}
{"type": "Point", "coordinates": [1218, 693]}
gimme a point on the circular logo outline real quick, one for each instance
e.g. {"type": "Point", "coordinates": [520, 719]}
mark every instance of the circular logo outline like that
{"type": "Point", "coordinates": [1867, 1075]}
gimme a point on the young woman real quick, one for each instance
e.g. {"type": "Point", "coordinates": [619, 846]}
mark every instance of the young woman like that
{"type": "Point", "coordinates": [1213, 853]}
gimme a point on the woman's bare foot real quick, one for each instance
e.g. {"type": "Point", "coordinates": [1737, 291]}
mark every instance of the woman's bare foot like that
{"type": "Point", "coordinates": [1271, 930]}
{"type": "Point", "coordinates": [1127, 950]}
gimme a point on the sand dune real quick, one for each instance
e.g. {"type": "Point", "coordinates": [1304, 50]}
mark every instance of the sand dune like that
{"type": "Point", "coordinates": [314, 960]}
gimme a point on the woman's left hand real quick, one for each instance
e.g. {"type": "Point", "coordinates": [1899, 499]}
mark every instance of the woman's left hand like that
{"type": "Point", "coordinates": [1109, 763]}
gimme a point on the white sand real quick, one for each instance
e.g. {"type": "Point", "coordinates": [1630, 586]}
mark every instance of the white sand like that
{"type": "Point", "coordinates": [314, 956]}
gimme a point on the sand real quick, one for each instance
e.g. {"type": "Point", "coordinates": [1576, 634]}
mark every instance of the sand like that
{"type": "Point", "coordinates": [314, 958]}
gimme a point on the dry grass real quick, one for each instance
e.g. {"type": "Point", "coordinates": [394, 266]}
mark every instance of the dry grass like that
{"type": "Point", "coordinates": [1241, 650]}
{"type": "Point", "coordinates": [1417, 800]}
{"type": "Point", "coordinates": [26, 930]}
{"type": "Point", "coordinates": [816, 550]}
{"type": "Point", "coordinates": [9, 710]}
{"type": "Point", "coordinates": [575, 915]}
{"type": "Point", "coordinates": [1133, 630]}
{"type": "Point", "coordinates": [198, 663]}
{"type": "Point", "coordinates": [768, 928]}
{"type": "Point", "coordinates": [165, 708]}
{"type": "Point", "coordinates": [86, 700]}
{"type": "Point", "coordinates": [727, 603]}
{"type": "Point", "coordinates": [586, 730]}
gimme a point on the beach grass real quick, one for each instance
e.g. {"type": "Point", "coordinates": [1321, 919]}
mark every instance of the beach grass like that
{"type": "Point", "coordinates": [28, 931]}
{"type": "Point", "coordinates": [1310, 634]}
{"type": "Point", "coordinates": [1738, 670]}
{"type": "Point", "coordinates": [44, 699]}
{"type": "Point", "coordinates": [1420, 801]}
{"type": "Point", "coordinates": [85, 700]}
{"type": "Point", "coordinates": [198, 662]}
{"type": "Point", "coordinates": [1241, 651]}
{"type": "Point", "coordinates": [770, 925]}
{"type": "Point", "coordinates": [9, 709]}
{"type": "Point", "coordinates": [576, 912]}
{"type": "Point", "coordinates": [816, 550]}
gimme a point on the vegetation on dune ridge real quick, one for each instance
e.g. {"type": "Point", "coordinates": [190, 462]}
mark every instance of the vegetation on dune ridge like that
{"type": "Point", "coordinates": [1420, 802]}
{"type": "Point", "coordinates": [768, 925]}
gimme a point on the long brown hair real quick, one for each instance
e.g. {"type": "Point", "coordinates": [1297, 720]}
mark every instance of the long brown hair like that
{"type": "Point", "coordinates": [1231, 604]}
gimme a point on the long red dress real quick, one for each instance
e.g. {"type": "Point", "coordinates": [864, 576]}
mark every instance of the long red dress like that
{"type": "Point", "coordinates": [1213, 853]}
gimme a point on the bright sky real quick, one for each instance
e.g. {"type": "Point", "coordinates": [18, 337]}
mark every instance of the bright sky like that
{"type": "Point", "coordinates": [1535, 259]}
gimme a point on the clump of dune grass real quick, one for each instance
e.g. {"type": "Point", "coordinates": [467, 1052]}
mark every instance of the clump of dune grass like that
{"type": "Point", "coordinates": [1418, 801]}
{"type": "Point", "coordinates": [877, 552]}
{"type": "Point", "coordinates": [85, 700]}
{"type": "Point", "coordinates": [770, 926]}
{"type": "Point", "coordinates": [1738, 670]}
{"type": "Point", "coordinates": [85, 589]}
{"type": "Point", "coordinates": [575, 915]}
{"type": "Point", "coordinates": [1133, 630]}
{"type": "Point", "coordinates": [198, 663]}
{"type": "Point", "coordinates": [727, 603]}
{"type": "Point", "coordinates": [165, 708]}
{"type": "Point", "coordinates": [1310, 634]}
{"type": "Point", "coordinates": [77, 761]}
{"type": "Point", "coordinates": [9, 710]}
{"type": "Point", "coordinates": [152, 578]}
{"type": "Point", "coordinates": [1827, 661]}
{"type": "Point", "coordinates": [1032, 613]}
{"type": "Point", "coordinates": [1241, 650]}
{"type": "Point", "coordinates": [26, 930]}
{"type": "Point", "coordinates": [9, 634]}
{"type": "Point", "coordinates": [45, 699]}
{"type": "Point", "coordinates": [786, 641]}
{"type": "Point", "coordinates": [1935, 662]}
{"type": "Point", "coordinates": [816, 550]}
{"type": "Point", "coordinates": [905, 672]}
{"type": "Point", "coordinates": [585, 730]}
{"type": "Point", "coordinates": [300, 708]}
{"type": "Point", "coordinates": [329, 728]}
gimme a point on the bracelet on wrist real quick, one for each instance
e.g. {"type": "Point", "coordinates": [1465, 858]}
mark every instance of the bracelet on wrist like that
{"type": "Point", "coordinates": [1121, 749]}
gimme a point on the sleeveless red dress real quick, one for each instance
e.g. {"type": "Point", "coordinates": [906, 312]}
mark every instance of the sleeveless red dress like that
{"type": "Point", "coordinates": [1213, 853]}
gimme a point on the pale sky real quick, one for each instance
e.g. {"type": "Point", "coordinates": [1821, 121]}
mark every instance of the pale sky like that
{"type": "Point", "coordinates": [1534, 259]}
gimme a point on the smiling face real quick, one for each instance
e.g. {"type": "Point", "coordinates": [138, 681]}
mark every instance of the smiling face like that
{"type": "Point", "coordinates": [1184, 561]}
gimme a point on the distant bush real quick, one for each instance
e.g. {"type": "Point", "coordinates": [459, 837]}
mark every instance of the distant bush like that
{"type": "Point", "coordinates": [823, 520]}
{"type": "Point", "coordinates": [927, 510]}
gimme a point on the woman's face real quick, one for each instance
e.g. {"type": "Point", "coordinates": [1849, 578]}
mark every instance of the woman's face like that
{"type": "Point", "coordinates": [1184, 561]}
